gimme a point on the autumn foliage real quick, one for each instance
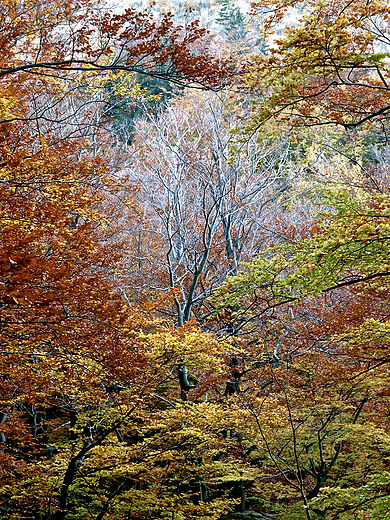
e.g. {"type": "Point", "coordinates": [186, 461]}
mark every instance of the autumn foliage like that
{"type": "Point", "coordinates": [329, 68]}
{"type": "Point", "coordinates": [79, 374]}
{"type": "Point", "coordinates": [194, 319]}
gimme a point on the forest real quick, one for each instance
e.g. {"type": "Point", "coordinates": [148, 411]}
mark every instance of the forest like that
{"type": "Point", "coordinates": [194, 260]}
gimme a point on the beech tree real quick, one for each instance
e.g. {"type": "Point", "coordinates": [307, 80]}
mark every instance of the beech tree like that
{"type": "Point", "coordinates": [205, 203]}
{"type": "Point", "coordinates": [56, 39]}
{"type": "Point", "coordinates": [331, 67]}
{"type": "Point", "coordinates": [84, 429]}
{"type": "Point", "coordinates": [315, 363]}
{"type": "Point", "coordinates": [315, 306]}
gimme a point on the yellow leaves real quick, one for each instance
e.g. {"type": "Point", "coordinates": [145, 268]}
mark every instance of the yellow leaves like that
{"type": "Point", "coordinates": [371, 330]}
{"type": "Point", "coordinates": [193, 347]}
{"type": "Point", "coordinates": [8, 102]}
{"type": "Point", "coordinates": [119, 84]}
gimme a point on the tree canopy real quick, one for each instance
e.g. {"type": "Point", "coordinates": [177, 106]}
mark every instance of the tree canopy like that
{"type": "Point", "coordinates": [329, 67]}
{"type": "Point", "coordinates": [194, 293]}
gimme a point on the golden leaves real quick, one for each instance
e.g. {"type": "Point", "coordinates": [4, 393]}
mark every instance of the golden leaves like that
{"type": "Point", "coordinates": [327, 61]}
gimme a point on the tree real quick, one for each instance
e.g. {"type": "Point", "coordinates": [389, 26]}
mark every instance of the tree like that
{"type": "Point", "coordinates": [74, 53]}
{"type": "Point", "coordinates": [80, 405]}
{"type": "Point", "coordinates": [56, 298]}
{"type": "Point", "coordinates": [329, 68]}
{"type": "Point", "coordinates": [315, 310]}
{"type": "Point", "coordinates": [232, 21]}
{"type": "Point", "coordinates": [204, 205]}
{"type": "Point", "coordinates": [316, 306]}
{"type": "Point", "coordinates": [57, 39]}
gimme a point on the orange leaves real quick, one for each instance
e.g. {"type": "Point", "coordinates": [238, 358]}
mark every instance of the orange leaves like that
{"type": "Point", "coordinates": [6, 263]}
{"type": "Point", "coordinates": [384, 393]}
{"type": "Point", "coordinates": [70, 37]}
{"type": "Point", "coordinates": [77, 374]}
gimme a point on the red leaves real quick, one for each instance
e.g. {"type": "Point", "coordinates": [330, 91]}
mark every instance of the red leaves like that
{"type": "Point", "coordinates": [74, 38]}
{"type": "Point", "coordinates": [71, 352]}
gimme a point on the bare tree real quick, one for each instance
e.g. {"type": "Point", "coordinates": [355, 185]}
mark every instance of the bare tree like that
{"type": "Point", "coordinates": [205, 200]}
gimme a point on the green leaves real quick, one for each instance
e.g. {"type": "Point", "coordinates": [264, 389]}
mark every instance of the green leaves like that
{"type": "Point", "coordinates": [371, 499]}
{"type": "Point", "coordinates": [349, 245]}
